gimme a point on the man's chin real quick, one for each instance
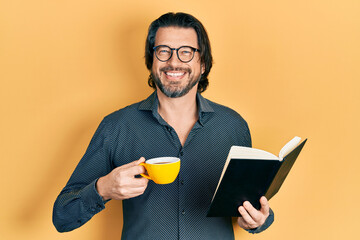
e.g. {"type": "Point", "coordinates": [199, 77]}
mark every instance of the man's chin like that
{"type": "Point", "coordinates": [173, 90]}
{"type": "Point", "coordinates": [173, 94]}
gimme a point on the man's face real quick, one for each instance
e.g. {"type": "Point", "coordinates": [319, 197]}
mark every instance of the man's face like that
{"type": "Point", "coordinates": [173, 77]}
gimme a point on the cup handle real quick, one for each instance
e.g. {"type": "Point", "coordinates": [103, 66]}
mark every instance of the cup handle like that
{"type": "Point", "coordinates": [143, 174]}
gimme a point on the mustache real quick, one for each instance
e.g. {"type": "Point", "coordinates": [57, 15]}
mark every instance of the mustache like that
{"type": "Point", "coordinates": [180, 69]}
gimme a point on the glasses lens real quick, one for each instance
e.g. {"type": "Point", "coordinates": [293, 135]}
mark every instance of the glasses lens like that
{"type": "Point", "coordinates": [163, 53]}
{"type": "Point", "coordinates": [186, 54]}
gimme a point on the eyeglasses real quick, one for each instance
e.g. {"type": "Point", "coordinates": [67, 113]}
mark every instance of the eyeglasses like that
{"type": "Point", "coordinates": [184, 53]}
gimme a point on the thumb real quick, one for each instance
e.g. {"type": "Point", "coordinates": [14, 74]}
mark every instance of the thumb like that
{"type": "Point", "coordinates": [140, 160]}
{"type": "Point", "coordinates": [132, 164]}
{"type": "Point", "coordinates": [264, 205]}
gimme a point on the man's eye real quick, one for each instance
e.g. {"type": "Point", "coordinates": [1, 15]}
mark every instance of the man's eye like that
{"type": "Point", "coordinates": [164, 51]}
{"type": "Point", "coordinates": [185, 52]}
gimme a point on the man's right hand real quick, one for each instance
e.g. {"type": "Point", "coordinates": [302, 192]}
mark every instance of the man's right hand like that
{"type": "Point", "coordinates": [121, 183]}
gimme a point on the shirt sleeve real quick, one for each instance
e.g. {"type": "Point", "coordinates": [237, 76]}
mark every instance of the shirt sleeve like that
{"type": "Point", "coordinates": [79, 201]}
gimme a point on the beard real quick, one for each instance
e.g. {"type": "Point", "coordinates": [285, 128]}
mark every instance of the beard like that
{"type": "Point", "coordinates": [171, 90]}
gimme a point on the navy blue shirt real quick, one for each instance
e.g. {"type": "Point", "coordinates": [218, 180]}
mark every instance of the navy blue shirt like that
{"type": "Point", "coordinates": [172, 211]}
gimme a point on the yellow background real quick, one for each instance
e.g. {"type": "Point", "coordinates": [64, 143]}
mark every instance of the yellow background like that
{"type": "Point", "coordinates": [288, 67]}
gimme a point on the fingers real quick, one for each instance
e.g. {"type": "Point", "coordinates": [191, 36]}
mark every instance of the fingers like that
{"type": "Point", "coordinates": [135, 182]}
{"type": "Point", "coordinates": [246, 221]}
{"type": "Point", "coordinates": [253, 212]}
{"type": "Point", "coordinates": [140, 160]}
{"type": "Point", "coordinates": [133, 168]}
{"type": "Point", "coordinates": [134, 163]}
{"type": "Point", "coordinates": [133, 189]}
{"type": "Point", "coordinates": [251, 217]}
{"type": "Point", "coordinates": [121, 182]}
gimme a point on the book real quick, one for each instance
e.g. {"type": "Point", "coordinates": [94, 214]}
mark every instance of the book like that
{"type": "Point", "coordinates": [249, 174]}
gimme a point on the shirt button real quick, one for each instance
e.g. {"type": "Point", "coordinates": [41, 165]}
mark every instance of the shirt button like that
{"type": "Point", "coordinates": [181, 153]}
{"type": "Point", "coordinates": [183, 212]}
{"type": "Point", "coordinates": [182, 182]}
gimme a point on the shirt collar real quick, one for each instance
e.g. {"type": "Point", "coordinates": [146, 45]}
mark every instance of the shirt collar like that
{"type": "Point", "coordinates": [205, 110]}
{"type": "Point", "coordinates": [152, 102]}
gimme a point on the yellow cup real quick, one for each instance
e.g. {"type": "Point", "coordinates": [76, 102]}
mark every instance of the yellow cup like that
{"type": "Point", "coordinates": [162, 170]}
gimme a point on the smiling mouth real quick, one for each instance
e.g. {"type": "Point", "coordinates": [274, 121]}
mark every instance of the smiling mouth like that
{"type": "Point", "coordinates": [175, 74]}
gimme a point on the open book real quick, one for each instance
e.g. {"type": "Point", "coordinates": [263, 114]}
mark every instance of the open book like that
{"type": "Point", "coordinates": [250, 173]}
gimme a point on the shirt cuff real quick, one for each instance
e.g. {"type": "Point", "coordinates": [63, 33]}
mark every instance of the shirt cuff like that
{"type": "Point", "coordinates": [91, 199]}
{"type": "Point", "coordinates": [267, 223]}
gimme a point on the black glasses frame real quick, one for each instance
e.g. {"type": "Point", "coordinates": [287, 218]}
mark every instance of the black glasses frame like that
{"type": "Point", "coordinates": [177, 52]}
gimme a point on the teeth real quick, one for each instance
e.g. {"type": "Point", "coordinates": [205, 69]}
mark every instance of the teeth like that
{"type": "Point", "coordinates": [174, 74]}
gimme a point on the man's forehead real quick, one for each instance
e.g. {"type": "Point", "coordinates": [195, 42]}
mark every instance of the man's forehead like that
{"type": "Point", "coordinates": [176, 35]}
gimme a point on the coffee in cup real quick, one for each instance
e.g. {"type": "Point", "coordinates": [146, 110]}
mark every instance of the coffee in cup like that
{"type": "Point", "coordinates": [162, 170]}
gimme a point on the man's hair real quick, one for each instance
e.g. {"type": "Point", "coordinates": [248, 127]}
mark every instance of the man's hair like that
{"type": "Point", "coordinates": [183, 20]}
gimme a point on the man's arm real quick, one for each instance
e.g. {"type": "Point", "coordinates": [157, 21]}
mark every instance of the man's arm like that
{"type": "Point", "coordinates": [75, 207]}
{"type": "Point", "coordinates": [94, 181]}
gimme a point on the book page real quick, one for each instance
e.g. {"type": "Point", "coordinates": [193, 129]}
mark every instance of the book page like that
{"type": "Point", "coordinates": [289, 147]}
{"type": "Point", "coordinates": [250, 153]}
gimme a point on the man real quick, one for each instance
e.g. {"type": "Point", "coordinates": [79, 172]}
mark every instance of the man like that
{"type": "Point", "coordinates": [174, 121]}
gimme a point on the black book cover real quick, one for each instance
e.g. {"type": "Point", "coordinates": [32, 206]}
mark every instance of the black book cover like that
{"type": "Point", "coordinates": [248, 180]}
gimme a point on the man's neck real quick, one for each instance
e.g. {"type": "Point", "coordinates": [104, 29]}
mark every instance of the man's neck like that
{"type": "Point", "coordinates": [181, 113]}
{"type": "Point", "coordinates": [179, 108]}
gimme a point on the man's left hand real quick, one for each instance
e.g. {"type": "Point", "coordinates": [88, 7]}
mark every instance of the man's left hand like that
{"type": "Point", "coordinates": [251, 217]}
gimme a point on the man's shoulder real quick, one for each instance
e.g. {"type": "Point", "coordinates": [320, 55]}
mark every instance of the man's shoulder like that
{"type": "Point", "coordinates": [124, 114]}
{"type": "Point", "coordinates": [225, 111]}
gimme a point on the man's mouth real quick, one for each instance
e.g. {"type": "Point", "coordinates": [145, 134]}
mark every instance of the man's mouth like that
{"type": "Point", "coordinates": [175, 74]}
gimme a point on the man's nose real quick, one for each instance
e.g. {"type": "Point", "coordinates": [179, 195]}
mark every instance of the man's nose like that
{"type": "Point", "coordinates": [174, 60]}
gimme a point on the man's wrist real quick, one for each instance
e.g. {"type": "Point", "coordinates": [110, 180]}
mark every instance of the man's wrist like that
{"type": "Point", "coordinates": [100, 189]}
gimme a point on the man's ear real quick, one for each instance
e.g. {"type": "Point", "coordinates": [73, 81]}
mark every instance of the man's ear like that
{"type": "Point", "coordinates": [202, 68]}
